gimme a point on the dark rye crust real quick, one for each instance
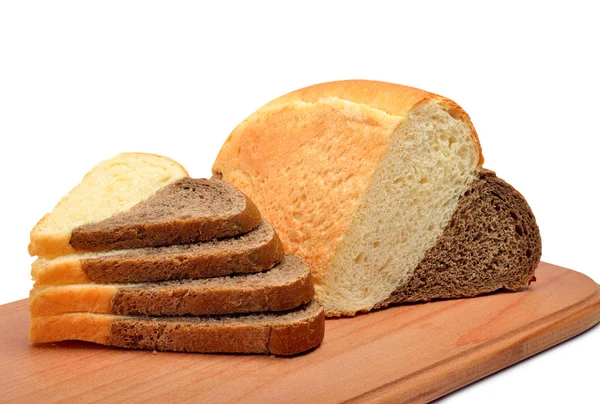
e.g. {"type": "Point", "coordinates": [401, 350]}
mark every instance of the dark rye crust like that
{"type": "Point", "coordinates": [242, 254]}
{"type": "Point", "coordinates": [279, 334]}
{"type": "Point", "coordinates": [491, 243]}
{"type": "Point", "coordinates": [285, 287]}
{"type": "Point", "coordinates": [184, 212]}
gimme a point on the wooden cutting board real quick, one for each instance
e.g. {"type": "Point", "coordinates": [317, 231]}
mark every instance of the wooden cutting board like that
{"type": "Point", "coordinates": [409, 353]}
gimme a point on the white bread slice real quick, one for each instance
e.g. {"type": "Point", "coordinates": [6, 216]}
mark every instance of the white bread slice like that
{"type": "Point", "coordinates": [359, 178]}
{"type": "Point", "coordinates": [112, 186]}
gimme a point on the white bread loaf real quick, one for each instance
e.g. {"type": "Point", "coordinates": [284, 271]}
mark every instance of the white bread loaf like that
{"type": "Point", "coordinates": [359, 178]}
{"type": "Point", "coordinates": [112, 186]}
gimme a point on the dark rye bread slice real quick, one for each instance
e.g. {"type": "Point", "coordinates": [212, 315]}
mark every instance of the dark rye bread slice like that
{"type": "Point", "coordinates": [287, 333]}
{"type": "Point", "coordinates": [183, 212]}
{"type": "Point", "coordinates": [255, 251]}
{"type": "Point", "coordinates": [285, 287]}
{"type": "Point", "coordinates": [491, 243]}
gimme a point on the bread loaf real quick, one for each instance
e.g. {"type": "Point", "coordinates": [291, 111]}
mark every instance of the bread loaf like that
{"type": "Point", "coordinates": [362, 179]}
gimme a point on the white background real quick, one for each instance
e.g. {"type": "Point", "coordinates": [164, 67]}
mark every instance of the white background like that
{"type": "Point", "coordinates": [82, 81]}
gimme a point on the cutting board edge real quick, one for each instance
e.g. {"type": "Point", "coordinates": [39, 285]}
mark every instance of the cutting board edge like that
{"type": "Point", "coordinates": [467, 368]}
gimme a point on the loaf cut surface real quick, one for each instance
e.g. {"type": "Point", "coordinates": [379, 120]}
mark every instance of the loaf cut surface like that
{"type": "Point", "coordinates": [285, 287]}
{"type": "Point", "coordinates": [255, 251]}
{"type": "Point", "coordinates": [287, 333]}
{"type": "Point", "coordinates": [359, 178]}
{"type": "Point", "coordinates": [186, 211]}
{"type": "Point", "coordinates": [491, 243]}
{"type": "Point", "coordinates": [113, 186]}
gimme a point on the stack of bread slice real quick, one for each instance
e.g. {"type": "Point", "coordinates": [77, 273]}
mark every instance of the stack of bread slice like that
{"type": "Point", "coordinates": [141, 256]}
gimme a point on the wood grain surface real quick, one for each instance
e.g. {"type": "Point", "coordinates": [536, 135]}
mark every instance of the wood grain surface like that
{"type": "Point", "coordinates": [412, 353]}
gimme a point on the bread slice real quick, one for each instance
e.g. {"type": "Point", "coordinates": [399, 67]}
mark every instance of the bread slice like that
{"type": "Point", "coordinates": [287, 333]}
{"type": "Point", "coordinates": [256, 251]}
{"type": "Point", "coordinates": [112, 186]}
{"type": "Point", "coordinates": [186, 211]}
{"type": "Point", "coordinates": [285, 287]}
{"type": "Point", "coordinates": [359, 178]}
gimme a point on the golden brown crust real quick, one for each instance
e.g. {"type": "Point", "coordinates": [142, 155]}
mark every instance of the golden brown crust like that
{"type": "Point", "coordinates": [393, 99]}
